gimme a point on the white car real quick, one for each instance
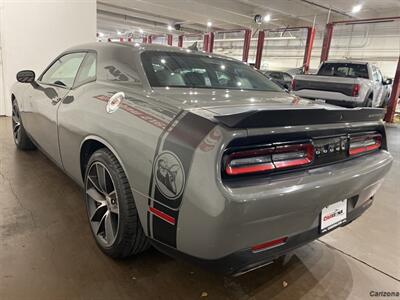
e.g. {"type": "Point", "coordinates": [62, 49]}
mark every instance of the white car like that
{"type": "Point", "coordinates": [345, 83]}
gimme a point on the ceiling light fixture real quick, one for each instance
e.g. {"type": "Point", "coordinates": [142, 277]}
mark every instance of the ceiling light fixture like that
{"type": "Point", "coordinates": [209, 24]}
{"type": "Point", "coordinates": [267, 18]}
{"type": "Point", "coordinates": [141, 30]}
{"type": "Point", "coordinates": [258, 19]}
{"type": "Point", "coordinates": [101, 34]}
{"type": "Point", "coordinates": [170, 27]}
{"type": "Point", "coordinates": [356, 8]}
{"type": "Point", "coordinates": [119, 32]}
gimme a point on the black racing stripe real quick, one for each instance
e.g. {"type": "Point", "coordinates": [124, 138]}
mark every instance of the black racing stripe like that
{"type": "Point", "coordinates": [155, 155]}
{"type": "Point", "coordinates": [162, 229]}
{"type": "Point", "coordinates": [183, 141]}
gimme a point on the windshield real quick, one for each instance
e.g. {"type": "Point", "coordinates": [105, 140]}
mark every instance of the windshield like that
{"type": "Point", "coordinates": [174, 69]}
{"type": "Point", "coordinates": [344, 70]}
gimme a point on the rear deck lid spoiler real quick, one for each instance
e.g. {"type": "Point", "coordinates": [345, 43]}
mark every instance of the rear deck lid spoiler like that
{"type": "Point", "coordinates": [294, 117]}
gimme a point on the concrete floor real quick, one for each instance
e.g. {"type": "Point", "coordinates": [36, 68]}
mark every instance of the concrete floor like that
{"type": "Point", "coordinates": [47, 251]}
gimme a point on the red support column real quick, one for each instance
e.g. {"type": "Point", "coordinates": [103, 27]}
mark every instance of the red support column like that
{"type": "Point", "coordinates": [260, 46]}
{"type": "Point", "coordinates": [211, 37]}
{"type": "Point", "coordinates": [394, 96]}
{"type": "Point", "coordinates": [150, 39]}
{"type": "Point", "coordinates": [205, 42]}
{"type": "Point", "coordinates": [326, 44]}
{"type": "Point", "coordinates": [169, 39]}
{"type": "Point", "coordinates": [308, 51]}
{"type": "Point", "coordinates": [246, 45]}
{"type": "Point", "coordinates": [144, 41]}
{"type": "Point", "coordinates": [130, 40]}
{"type": "Point", "coordinates": [180, 41]}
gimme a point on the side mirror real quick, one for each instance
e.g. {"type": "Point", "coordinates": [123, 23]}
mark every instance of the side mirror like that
{"type": "Point", "coordinates": [26, 76]}
{"type": "Point", "coordinates": [388, 81]}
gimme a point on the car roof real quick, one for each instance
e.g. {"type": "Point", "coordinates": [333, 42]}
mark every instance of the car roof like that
{"type": "Point", "coordinates": [139, 47]}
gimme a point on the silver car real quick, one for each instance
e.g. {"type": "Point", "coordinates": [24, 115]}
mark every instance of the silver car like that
{"type": "Point", "coordinates": [198, 154]}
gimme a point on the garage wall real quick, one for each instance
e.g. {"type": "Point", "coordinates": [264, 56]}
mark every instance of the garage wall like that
{"type": "Point", "coordinates": [34, 32]}
{"type": "Point", "coordinates": [376, 43]}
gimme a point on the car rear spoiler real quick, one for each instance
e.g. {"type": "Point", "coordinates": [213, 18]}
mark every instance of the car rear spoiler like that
{"type": "Point", "coordinates": [294, 117]}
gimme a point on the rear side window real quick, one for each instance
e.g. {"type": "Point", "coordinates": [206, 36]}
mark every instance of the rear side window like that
{"type": "Point", "coordinates": [87, 71]}
{"type": "Point", "coordinates": [63, 71]}
{"type": "Point", "coordinates": [287, 77]}
{"type": "Point", "coordinates": [276, 75]}
{"type": "Point", "coordinates": [344, 70]}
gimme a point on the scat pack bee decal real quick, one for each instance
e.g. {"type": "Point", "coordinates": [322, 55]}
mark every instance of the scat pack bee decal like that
{"type": "Point", "coordinates": [169, 175]}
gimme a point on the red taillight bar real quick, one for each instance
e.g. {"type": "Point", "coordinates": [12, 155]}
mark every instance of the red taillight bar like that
{"type": "Point", "coordinates": [364, 143]}
{"type": "Point", "coordinates": [293, 160]}
{"type": "Point", "coordinates": [252, 161]}
{"type": "Point", "coordinates": [267, 159]}
{"type": "Point", "coordinates": [249, 169]}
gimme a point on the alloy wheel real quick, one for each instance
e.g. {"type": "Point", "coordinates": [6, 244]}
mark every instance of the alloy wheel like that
{"type": "Point", "coordinates": [16, 122]}
{"type": "Point", "coordinates": [102, 203]}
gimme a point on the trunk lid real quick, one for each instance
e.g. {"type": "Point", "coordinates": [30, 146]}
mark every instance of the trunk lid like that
{"type": "Point", "coordinates": [223, 101]}
{"type": "Point", "coordinates": [255, 109]}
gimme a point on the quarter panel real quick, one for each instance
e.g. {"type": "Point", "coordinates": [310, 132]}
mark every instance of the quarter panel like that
{"type": "Point", "coordinates": [132, 132]}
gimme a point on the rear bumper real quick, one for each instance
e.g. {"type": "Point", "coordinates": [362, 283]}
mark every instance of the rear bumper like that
{"type": "Point", "coordinates": [246, 260]}
{"type": "Point", "coordinates": [216, 222]}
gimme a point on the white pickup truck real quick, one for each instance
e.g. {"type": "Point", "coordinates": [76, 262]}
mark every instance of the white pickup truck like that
{"type": "Point", "coordinates": [345, 83]}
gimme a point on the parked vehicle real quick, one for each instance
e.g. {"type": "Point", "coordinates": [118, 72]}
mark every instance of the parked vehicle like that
{"type": "Point", "coordinates": [345, 83]}
{"type": "Point", "coordinates": [201, 156]}
{"type": "Point", "coordinates": [300, 71]}
{"type": "Point", "coordinates": [282, 79]}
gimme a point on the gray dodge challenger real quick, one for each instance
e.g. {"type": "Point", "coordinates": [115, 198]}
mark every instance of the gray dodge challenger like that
{"type": "Point", "coordinates": [198, 154]}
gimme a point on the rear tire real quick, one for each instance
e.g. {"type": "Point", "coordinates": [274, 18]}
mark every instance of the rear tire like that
{"type": "Point", "coordinates": [111, 209]}
{"type": "Point", "coordinates": [21, 138]}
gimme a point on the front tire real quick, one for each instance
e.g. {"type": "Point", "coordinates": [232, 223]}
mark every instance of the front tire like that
{"type": "Point", "coordinates": [111, 209]}
{"type": "Point", "coordinates": [21, 138]}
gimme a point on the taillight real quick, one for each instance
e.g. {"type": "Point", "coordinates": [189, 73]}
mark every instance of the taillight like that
{"type": "Point", "coordinates": [293, 84]}
{"type": "Point", "coordinates": [364, 143]}
{"type": "Point", "coordinates": [269, 158]}
{"type": "Point", "coordinates": [356, 90]}
{"type": "Point", "coordinates": [293, 155]}
{"type": "Point", "coordinates": [252, 161]}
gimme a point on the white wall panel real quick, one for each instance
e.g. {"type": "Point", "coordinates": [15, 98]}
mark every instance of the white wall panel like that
{"type": "Point", "coordinates": [34, 32]}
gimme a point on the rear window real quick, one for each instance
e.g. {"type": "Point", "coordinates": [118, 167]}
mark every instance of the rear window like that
{"type": "Point", "coordinates": [344, 70]}
{"type": "Point", "coordinates": [174, 69]}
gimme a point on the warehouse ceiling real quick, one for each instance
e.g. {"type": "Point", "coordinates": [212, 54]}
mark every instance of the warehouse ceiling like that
{"type": "Point", "coordinates": [192, 16]}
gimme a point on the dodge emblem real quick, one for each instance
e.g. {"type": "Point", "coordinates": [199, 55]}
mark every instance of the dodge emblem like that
{"type": "Point", "coordinates": [169, 175]}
